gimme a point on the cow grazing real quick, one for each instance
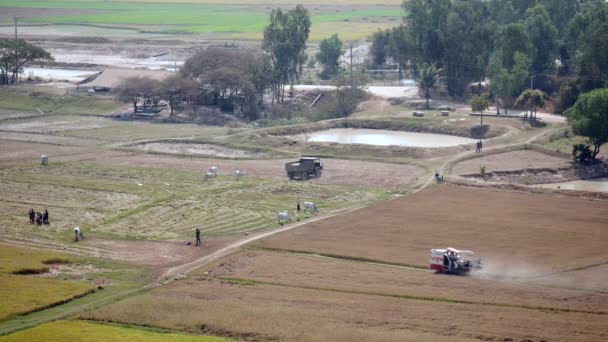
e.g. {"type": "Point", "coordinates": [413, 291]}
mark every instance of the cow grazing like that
{"type": "Point", "coordinates": [213, 170]}
{"type": "Point", "coordinates": [283, 216]}
{"type": "Point", "coordinates": [311, 207]}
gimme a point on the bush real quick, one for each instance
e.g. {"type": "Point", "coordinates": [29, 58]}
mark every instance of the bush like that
{"type": "Point", "coordinates": [582, 153]}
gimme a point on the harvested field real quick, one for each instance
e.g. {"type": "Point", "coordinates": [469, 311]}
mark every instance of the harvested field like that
{"type": "Point", "coordinates": [61, 331]}
{"type": "Point", "coordinates": [351, 275]}
{"type": "Point", "coordinates": [153, 203]}
{"type": "Point", "coordinates": [516, 233]}
{"type": "Point", "coordinates": [508, 161]}
{"type": "Point", "coordinates": [296, 313]}
{"type": "Point", "coordinates": [198, 149]}
{"type": "Point", "coordinates": [336, 171]}
{"type": "Point", "coordinates": [53, 124]}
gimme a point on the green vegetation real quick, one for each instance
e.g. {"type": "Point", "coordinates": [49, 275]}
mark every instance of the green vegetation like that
{"type": "Point", "coordinates": [172, 17]}
{"type": "Point", "coordinates": [589, 117]}
{"type": "Point", "coordinates": [88, 331]}
{"type": "Point", "coordinates": [16, 53]}
{"type": "Point", "coordinates": [20, 294]}
{"type": "Point", "coordinates": [50, 104]}
{"type": "Point", "coordinates": [508, 41]}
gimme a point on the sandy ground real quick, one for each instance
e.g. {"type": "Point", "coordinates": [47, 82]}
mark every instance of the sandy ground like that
{"type": "Point", "coordinates": [515, 160]}
{"type": "Point", "coordinates": [513, 232]}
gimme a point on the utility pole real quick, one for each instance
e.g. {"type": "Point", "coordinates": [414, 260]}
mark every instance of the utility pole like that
{"type": "Point", "coordinates": [532, 81]}
{"type": "Point", "coordinates": [16, 19]}
{"type": "Point", "coordinates": [352, 82]}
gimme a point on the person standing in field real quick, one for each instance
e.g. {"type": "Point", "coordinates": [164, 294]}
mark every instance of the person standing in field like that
{"type": "Point", "coordinates": [198, 236]}
{"type": "Point", "coordinates": [298, 206]}
{"type": "Point", "coordinates": [32, 215]}
{"type": "Point", "coordinates": [45, 217]}
{"type": "Point", "coordinates": [480, 146]}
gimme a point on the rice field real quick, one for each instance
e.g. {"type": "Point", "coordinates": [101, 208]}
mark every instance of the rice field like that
{"type": "Point", "coordinates": [20, 294]}
{"type": "Point", "coordinates": [61, 331]}
{"type": "Point", "coordinates": [153, 203]}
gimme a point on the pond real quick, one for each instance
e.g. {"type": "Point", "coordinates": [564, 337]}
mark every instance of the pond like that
{"type": "Point", "coordinates": [594, 185]}
{"type": "Point", "coordinates": [380, 137]}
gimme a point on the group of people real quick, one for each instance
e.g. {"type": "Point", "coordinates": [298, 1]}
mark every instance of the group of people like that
{"type": "Point", "coordinates": [479, 146]}
{"type": "Point", "coordinates": [38, 217]}
{"type": "Point", "coordinates": [438, 177]}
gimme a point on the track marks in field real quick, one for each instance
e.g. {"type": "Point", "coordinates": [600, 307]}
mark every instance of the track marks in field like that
{"type": "Point", "coordinates": [244, 281]}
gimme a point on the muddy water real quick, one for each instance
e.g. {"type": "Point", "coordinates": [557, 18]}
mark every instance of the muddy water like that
{"type": "Point", "coordinates": [595, 185]}
{"type": "Point", "coordinates": [380, 137]}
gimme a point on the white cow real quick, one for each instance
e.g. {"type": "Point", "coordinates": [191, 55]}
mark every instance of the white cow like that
{"type": "Point", "coordinates": [238, 174]}
{"type": "Point", "coordinates": [310, 206]}
{"type": "Point", "coordinates": [213, 170]}
{"type": "Point", "coordinates": [283, 216]}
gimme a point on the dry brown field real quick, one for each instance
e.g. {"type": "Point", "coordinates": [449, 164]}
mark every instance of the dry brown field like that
{"type": "Point", "coordinates": [363, 276]}
{"type": "Point", "coordinates": [508, 161]}
{"type": "Point", "coordinates": [514, 232]}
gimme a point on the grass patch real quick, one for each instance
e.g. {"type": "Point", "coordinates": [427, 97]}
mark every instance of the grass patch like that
{"type": "Point", "coordinates": [61, 331]}
{"type": "Point", "coordinates": [17, 260]}
{"type": "Point", "coordinates": [51, 104]}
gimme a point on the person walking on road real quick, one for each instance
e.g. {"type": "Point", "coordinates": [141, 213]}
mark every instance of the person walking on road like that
{"type": "Point", "coordinates": [197, 233]}
{"type": "Point", "coordinates": [480, 146]}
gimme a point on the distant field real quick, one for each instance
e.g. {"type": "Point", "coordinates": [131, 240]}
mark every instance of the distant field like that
{"type": "Point", "coordinates": [244, 19]}
{"type": "Point", "coordinates": [21, 294]}
{"type": "Point", "coordinates": [48, 104]}
{"type": "Point", "coordinates": [61, 331]}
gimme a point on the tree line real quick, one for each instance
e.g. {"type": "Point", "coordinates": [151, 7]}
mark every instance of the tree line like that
{"type": "Point", "coordinates": [562, 45]}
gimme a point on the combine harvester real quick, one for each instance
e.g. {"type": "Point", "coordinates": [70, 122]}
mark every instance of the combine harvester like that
{"type": "Point", "coordinates": [453, 261]}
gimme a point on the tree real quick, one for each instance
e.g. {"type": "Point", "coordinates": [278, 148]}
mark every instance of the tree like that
{"type": "Point", "coordinates": [506, 82]}
{"type": "Point", "coordinates": [16, 53]}
{"type": "Point", "coordinates": [480, 103]}
{"type": "Point", "coordinates": [543, 36]}
{"type": "Point", "coordinates": [133, 89]}
{"type": "Point", "coordinates": [531, 99]}
{"type": "Point", "coordinates": [176, 90]}
{"type": "Point", "coordinates": [285, 41]}
{"type": "Point", "coordinates": [427, 79]}
{"type": "Point", "coordinates": [329, 54]}
{"type": "Point", "coordinates": [378, 50]}
{"type": "Point", "coordinates": [589, 117]}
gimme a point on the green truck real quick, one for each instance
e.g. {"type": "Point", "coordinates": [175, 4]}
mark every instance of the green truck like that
{"type": "Point", "coordinates": [305, 168]}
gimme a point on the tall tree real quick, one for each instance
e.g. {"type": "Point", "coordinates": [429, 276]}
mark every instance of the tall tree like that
{"type": "Point", "coordinates": [589, 117]}
{"type": "Point", "coordinates": [15, 54]}
{"type": "Point", "coordinates": [329, 54]}
{"type": "Point", "coordinates": [428, 79]}
{"type": "Point", "coordinates": [379, 48]}
{"type": "Point", "coordinates": [285, 41]}
{"type": "Point", "coordinates": [543, 36]}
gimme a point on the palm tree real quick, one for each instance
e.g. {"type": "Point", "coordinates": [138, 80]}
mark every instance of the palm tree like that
{"type": "Point", "coordinates": [428, 78]}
